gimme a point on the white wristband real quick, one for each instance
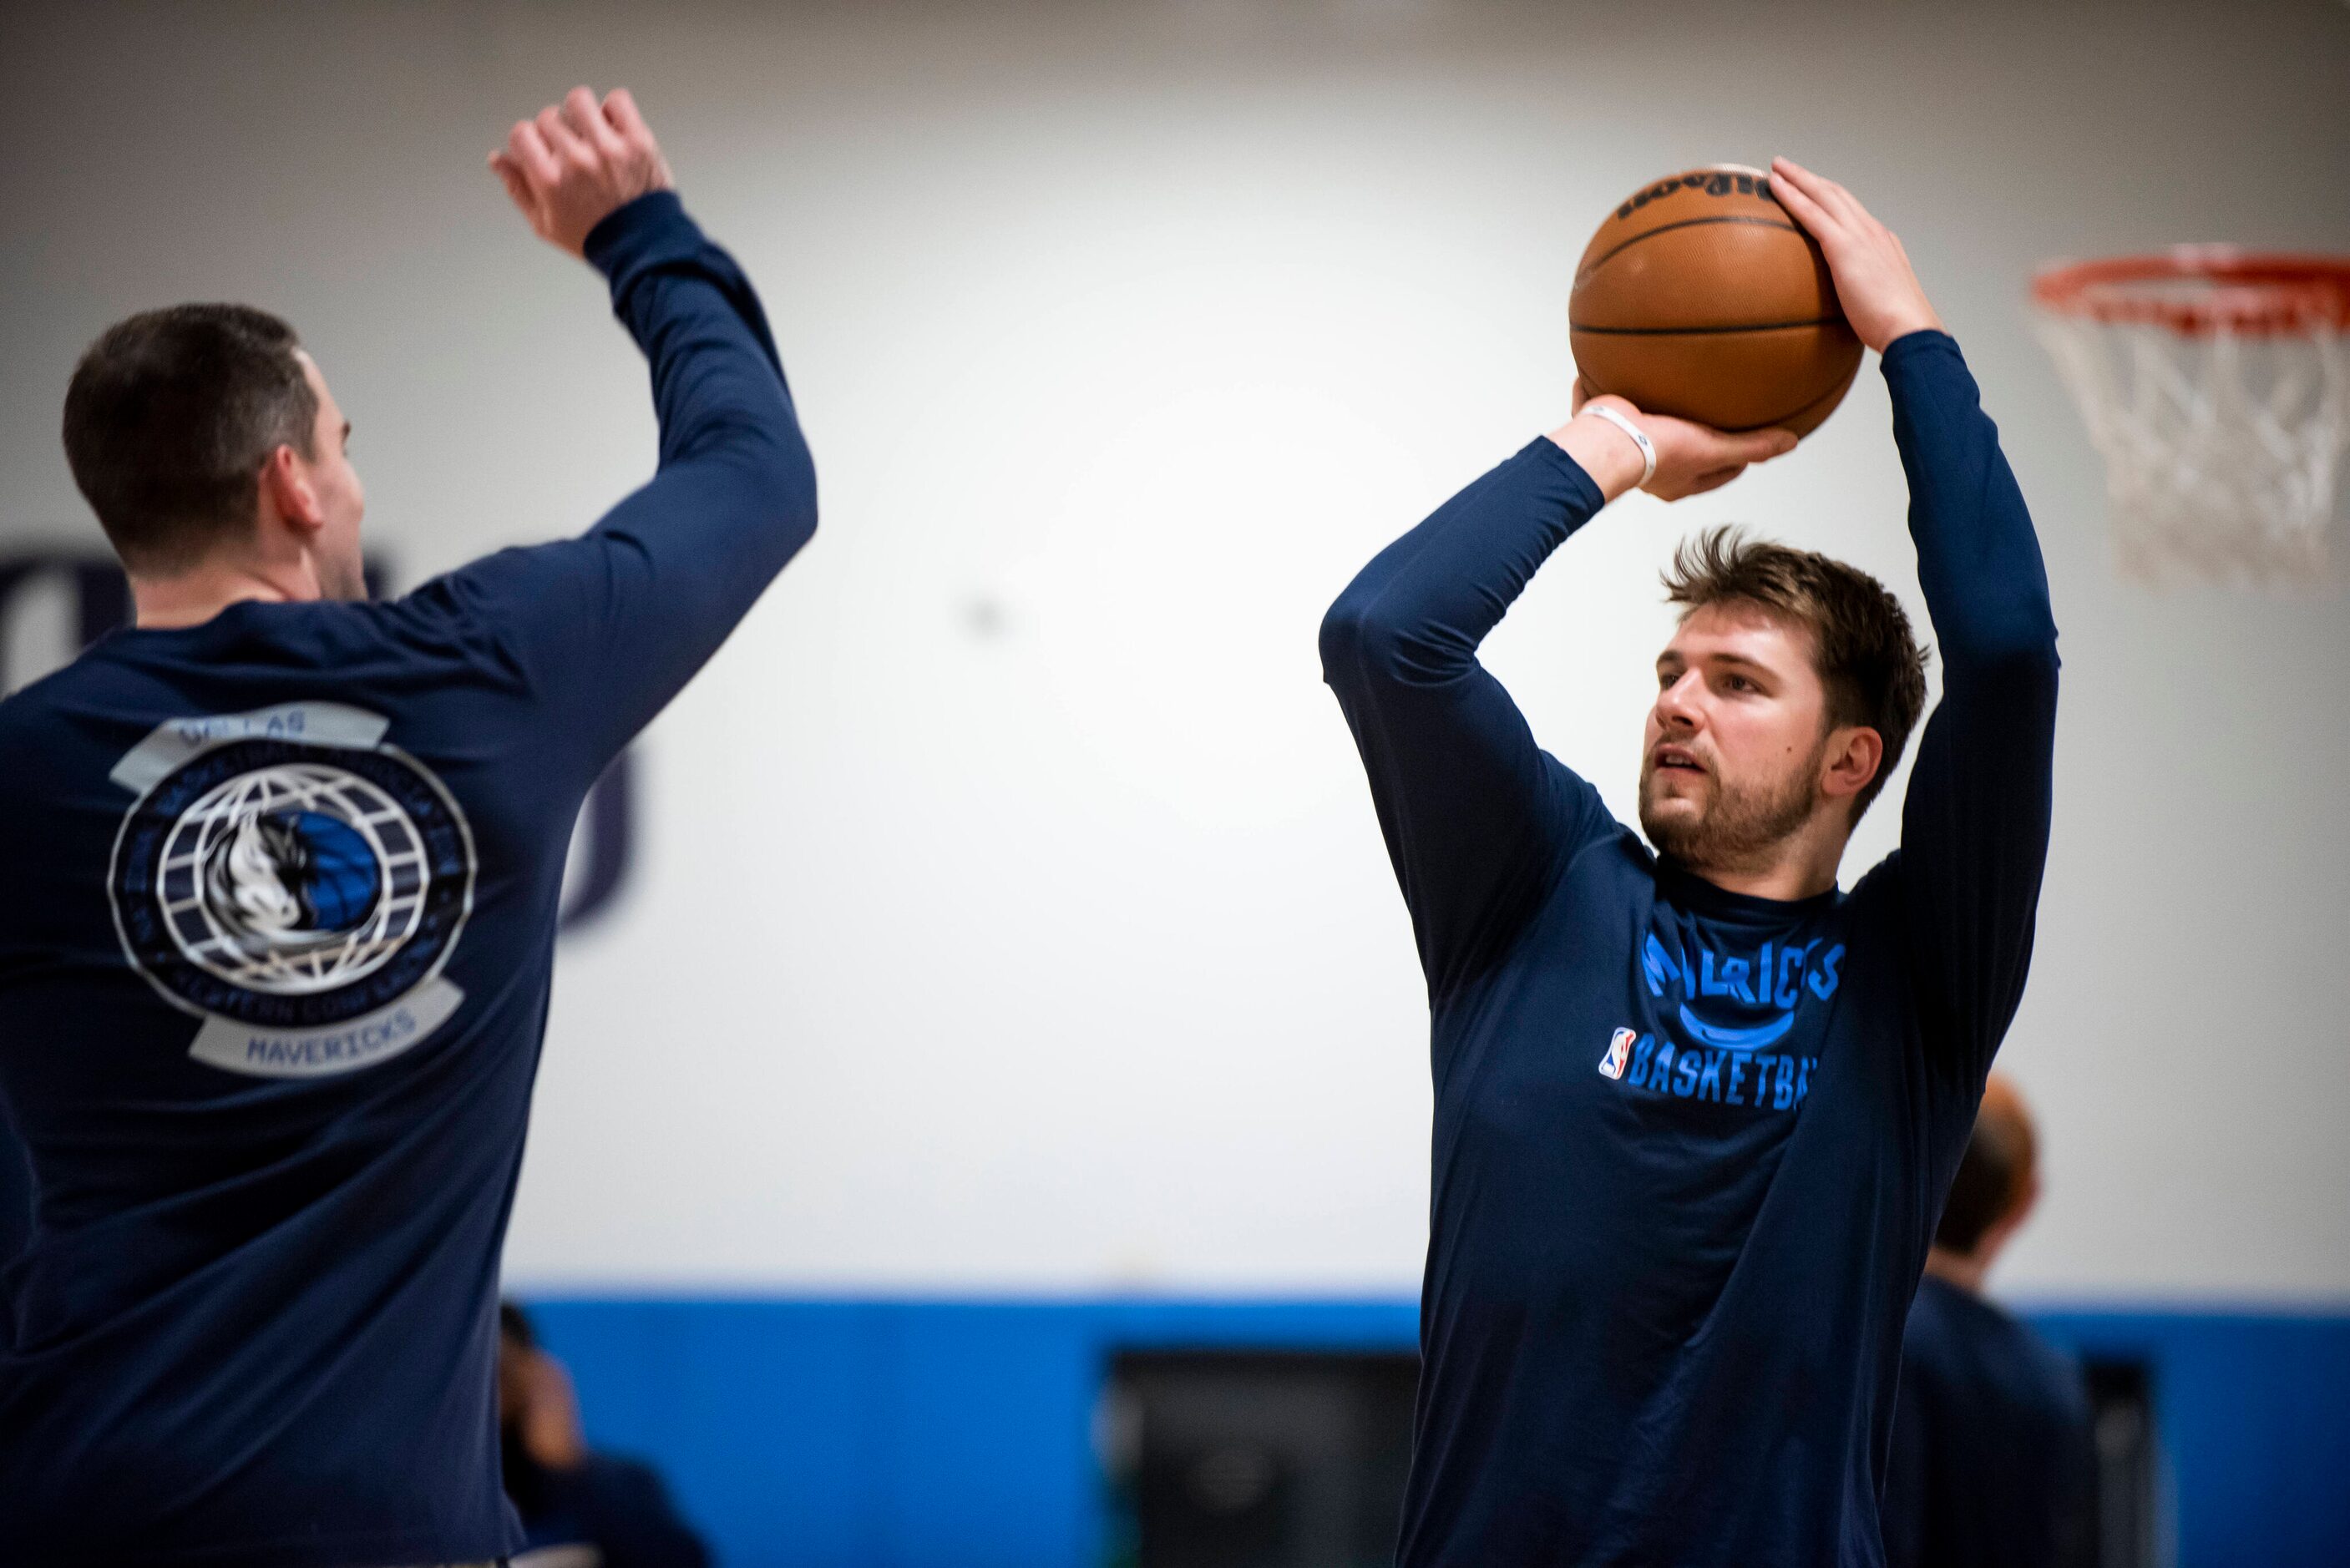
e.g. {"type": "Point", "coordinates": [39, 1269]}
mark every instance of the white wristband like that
{"type": "Point", "coordinates": [1640, 438]}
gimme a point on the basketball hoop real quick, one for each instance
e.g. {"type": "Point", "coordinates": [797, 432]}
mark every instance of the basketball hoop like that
{"type": "Point", "coordinates": [2215, 384]}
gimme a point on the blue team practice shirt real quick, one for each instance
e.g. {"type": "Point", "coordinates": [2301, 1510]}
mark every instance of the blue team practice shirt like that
{"type": "Point", "coordinates": [274, 949]}
{"type": "Point", "coordinates": [1689, 1146]}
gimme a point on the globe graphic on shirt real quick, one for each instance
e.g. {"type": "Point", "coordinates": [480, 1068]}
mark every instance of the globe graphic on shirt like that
{"type": "Point", "coordinates": [293, 880]}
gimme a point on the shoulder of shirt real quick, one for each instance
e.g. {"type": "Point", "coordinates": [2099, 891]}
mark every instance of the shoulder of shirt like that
{"type": "Point", "coordinates": [18, 706]}
{"type": "Point", "coordinates": [2055, 1371]}
{"type": "Point", "coordinates": [1878, 879]}
{"type": "Point", "coordinates": [423, 621]}
{"type": "Point", "coordinates": [39, 723]}
{"type": "Point", "coordinates": [24, 711]}
{"type": "Point", "coordinates": [467, 608]}
{"type": "Point", "coordinates": [2059, 1371]}
{"type": "Point", "coordinates": [1628, 850]}
{"type": "Point", "coordinates": [17, 713]}
{"type": "Point", "coordinates": [419, 622]}
{"type": "Point", "coordinates": [1948, 1308]}
{"type": "Point", "coordinates": [1620, 835]}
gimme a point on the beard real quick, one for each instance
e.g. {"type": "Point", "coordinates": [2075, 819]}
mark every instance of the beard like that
{"type": "Point", "coordinates": [1740, 827]}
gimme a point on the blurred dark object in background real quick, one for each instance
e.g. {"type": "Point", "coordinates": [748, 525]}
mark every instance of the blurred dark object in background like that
{"type": "Point", "coordinates": [2121, 1410]}
{"type": "Point", "coordinates": [1236, 1459]}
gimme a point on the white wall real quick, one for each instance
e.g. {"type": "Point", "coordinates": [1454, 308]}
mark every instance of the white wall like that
{"type": "Point", "coordinates": [1064, 956]}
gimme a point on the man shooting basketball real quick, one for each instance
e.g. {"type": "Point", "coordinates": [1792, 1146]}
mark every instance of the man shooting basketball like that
{"type": "Point", "coordinates": [282, 878]}
{"type": "Point", "coordinates": [1695, 1110]}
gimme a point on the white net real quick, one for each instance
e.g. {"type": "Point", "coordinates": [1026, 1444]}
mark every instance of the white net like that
{"type": "Point", "coordinates": [2222, 448]}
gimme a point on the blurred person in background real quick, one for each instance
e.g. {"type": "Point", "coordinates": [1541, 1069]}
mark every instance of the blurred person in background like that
{"type": "Point", "coordinates": [579, 1509]}
{"type": "Point", "coordinates": [1994, 1456]}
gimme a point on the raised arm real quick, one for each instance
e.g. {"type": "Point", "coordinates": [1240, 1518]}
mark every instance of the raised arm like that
{"type": "Point", "coordinates": [1974, 828]}
{"type": "Point", "coordinates": [608, 626]}
{"type": "Point", "coordinates": [1478, 820]}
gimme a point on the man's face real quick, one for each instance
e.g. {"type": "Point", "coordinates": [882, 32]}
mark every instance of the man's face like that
{"type": "Point", "coordinates": [341, 498]}
{"type": "Point", "coordinates": [1731, 765]}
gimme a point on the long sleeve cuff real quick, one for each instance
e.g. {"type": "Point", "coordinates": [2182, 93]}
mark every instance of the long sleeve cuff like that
{"type": "Point", "coordinates": [1585, 489]}
{"type": "Point", "coordinates": [647, 232]}
{"type": "Point", "coordinates": [1910, 345]}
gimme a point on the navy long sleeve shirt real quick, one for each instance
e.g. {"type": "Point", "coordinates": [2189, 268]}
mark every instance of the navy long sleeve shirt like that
{"type": "Point", "coordinates": [274, 956]}
{"type": "Point", "coordinates": [1994, 1457]}
{"type": "Point", "coordinates": [1690, 1145]}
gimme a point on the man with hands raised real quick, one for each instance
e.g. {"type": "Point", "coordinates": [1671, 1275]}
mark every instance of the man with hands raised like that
{"type": "Point", "coordinates": [284, 868]}
{"type": "Point", "coordinates": [1696, 1109]}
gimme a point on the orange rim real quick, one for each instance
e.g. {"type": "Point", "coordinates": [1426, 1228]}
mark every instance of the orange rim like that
{"type": "Point", "coordinates": [2243, 291]}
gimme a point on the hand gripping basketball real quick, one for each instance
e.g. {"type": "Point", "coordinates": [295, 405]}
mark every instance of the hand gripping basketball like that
{"type": "Point", "coordinates": [1691, 459]}
{"type": "Point", "coordinates": [578, 162]}
{"type": "Point", "coordinates": [1874, 284]}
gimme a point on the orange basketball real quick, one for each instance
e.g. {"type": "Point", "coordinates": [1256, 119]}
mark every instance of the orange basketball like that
{"type": "Point", "coordinates": [1701, 298]}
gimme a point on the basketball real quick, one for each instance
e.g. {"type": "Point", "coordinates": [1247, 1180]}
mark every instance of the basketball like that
{"type": "Point", "coordinates": [1700, 297]}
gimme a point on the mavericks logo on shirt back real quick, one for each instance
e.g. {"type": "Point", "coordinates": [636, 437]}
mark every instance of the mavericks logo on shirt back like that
{"type": "Point", "coordinates": [295, 882]}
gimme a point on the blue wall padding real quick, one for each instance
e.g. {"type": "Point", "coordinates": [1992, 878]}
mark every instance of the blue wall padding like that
{"type": "Point", "coordinates": [942, 1434]}
{"type": "Point", "coordinates": [2253, 1413]}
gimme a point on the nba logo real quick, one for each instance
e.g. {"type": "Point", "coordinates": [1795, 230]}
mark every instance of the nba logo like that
{"type": "Point", "coordinates": [1620, 1051]}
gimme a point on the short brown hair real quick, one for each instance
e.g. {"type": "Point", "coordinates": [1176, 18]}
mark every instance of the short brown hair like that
{"type": "Point", "coordinates": [1868, 659]}
{"type": "Point", "coordinates": [169, 417]}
